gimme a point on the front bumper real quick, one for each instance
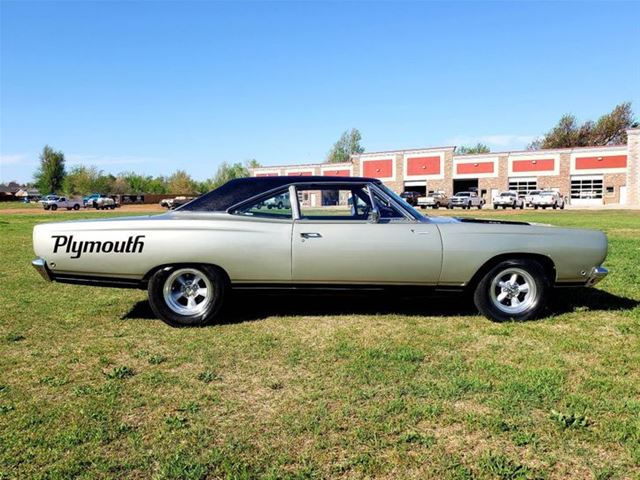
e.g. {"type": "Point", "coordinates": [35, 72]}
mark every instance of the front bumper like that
{"type": "Point", "coordinates": [41, 266]}
{"type": "Point", "coordinates": [597, 274]}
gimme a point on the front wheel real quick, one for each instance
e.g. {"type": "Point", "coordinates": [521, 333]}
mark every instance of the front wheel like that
{"type": "Point", "coordinates": [562, 207]}
{"type": "Point", "coordinates": [54, 207]}
{"type": "Point", "coordinates": [513, 290]}
{"type": "Point", "coordinates": [76, 207]}
{"type": "Point", "coordinates": [436, 206]}
{"type": "Point", "coordinates": [188, 296]}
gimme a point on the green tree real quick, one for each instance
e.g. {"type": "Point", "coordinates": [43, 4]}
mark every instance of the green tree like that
{"type": "Point", "coordinates": [50, 174]}
{"type": "Point", "coordinates": [609, 129]}
{"type": "Point", "coordinates": [347, 145]}
{"type": "Point", "coordinates": [477, 148]}
{"type": "Point", "coordinates": [181, 183]}
{"type": "Point", "coordinates": [228, 171]}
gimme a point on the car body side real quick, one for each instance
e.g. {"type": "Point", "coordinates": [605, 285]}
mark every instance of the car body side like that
{"type": "Point", "coordinates": [437, 251]}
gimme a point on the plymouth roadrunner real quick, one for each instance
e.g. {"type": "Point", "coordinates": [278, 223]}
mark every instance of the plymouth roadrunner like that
{"type": "Point", "coordinates": [321, 233]}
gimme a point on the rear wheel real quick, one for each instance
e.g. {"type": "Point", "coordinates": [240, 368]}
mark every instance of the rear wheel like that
{"type": "Point", "coordinates": [54, 207]}
{"type": "Point", "coordinates": [555, 205]}
{"type": "Point", "coordinates": [535, 207]}
{"type": "Point", "coordinates": [521, 206]}
{"type": "Point", "coordinates": [76, 207]}
{"type": "Point", "coordinates": [187, 296]}
{"type": "Point", "coordinates": [513, 290]}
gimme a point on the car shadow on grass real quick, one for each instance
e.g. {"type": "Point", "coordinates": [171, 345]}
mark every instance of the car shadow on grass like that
{"type": "Point", "coordinates": [250, 306]}
{"type": "Point", "coordinates": [566, 300]}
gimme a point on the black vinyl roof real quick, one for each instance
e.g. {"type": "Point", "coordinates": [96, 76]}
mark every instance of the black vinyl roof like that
{"type": "Point", "coordinates": [240, 189]}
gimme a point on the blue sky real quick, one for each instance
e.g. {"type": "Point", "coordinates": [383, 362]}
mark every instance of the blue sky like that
{"type": "Point", "coordinates": [156, 86]}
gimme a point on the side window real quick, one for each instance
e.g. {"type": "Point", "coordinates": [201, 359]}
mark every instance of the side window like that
{"type": "Point", "coordinates": [276, 206]}
{"type": "Point", "coordinates": [334, 202]}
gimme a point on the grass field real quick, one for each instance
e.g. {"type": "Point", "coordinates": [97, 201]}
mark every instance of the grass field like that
{"type": "Point", "coordinates": [92, 386]}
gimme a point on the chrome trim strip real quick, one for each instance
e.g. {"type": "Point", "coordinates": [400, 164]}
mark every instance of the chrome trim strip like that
{"type": "Point", "coordinates": [41, 266]}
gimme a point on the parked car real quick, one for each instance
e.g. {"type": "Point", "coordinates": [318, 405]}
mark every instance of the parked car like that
{"type": "Point", "coordinates": [548, 198]}
{"type": "Point", "coordinates": [433, 200]}
{"type": "Point", "coordinates": [466, 200]}
{"type": "Point", "coordinates": [89, 199]}
{"type": "Point", "coordinates": [410, 197]}
{"type": "Point", "coordinates": [508, 199]}
{"type": "Point", "coordinates": [226, 243]}
{"type": "Point", "coordinates": [279, 202]}
{"type": "Point", "coordinates": [104, 202]}
{"type": "Point", "coordinates": [528, 198]}
{"type": "Point", "coordinates": [61, 202]}
{"type": "Point", "coordinates": [176, 202]}
{"type": "Point", "coordinates": [49, 197]}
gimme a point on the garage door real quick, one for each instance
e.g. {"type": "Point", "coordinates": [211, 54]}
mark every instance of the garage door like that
{"type": "Point", "coordinates": [586, 190]}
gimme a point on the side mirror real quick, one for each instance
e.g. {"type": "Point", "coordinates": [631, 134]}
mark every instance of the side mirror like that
{"type": "Point", "coordinates": [374, 216]}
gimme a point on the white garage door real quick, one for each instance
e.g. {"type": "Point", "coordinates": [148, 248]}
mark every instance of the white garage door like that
{"type": "Point", "coordinates": [586, 190]}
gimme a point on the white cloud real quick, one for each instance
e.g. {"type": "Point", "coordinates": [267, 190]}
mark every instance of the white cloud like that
{"type": "Point", "coordinates": [504, 141]}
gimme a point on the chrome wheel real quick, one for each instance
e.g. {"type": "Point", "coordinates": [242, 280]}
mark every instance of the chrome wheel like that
{"type": "Point", "coordinates": [187, 291]}
{"type": "Point", "coordinates": [513, 291]}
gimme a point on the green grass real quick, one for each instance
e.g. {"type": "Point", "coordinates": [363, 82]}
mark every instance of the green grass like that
{"type": "Point", "coordinates": [91, 386]}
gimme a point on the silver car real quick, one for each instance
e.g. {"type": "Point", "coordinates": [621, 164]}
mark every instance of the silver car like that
{"type": "Point", "coordinates": [333, 232]}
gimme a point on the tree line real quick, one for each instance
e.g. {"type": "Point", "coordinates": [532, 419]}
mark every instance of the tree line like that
{"type": "Point", "coordinates": [52, 176]}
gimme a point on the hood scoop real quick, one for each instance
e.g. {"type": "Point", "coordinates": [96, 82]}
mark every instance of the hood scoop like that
{"type": "Point", "coordinates": [494, 222]}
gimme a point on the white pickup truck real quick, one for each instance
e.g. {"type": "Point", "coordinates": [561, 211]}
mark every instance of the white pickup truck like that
{"type": "Point", "coordinates": [62, 202]}
{"type": "Point", "coordinates": [466, 200]}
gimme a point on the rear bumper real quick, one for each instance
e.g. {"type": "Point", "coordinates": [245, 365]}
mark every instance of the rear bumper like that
{"type": "Point", "coordinates": [597, 274]}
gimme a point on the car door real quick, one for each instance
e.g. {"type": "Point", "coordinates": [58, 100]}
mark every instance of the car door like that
{"type": "Point", "coordinates": [336, 243]}
{"type": "Point", "coordinates": [258, 249]}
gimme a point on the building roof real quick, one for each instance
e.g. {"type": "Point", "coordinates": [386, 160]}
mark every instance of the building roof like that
{"type": "Point", "coordinates": [241, 189]}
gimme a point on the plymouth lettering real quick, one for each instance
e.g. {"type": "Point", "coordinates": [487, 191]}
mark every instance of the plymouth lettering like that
{"type": "Point", "coordinates": [76, 248]}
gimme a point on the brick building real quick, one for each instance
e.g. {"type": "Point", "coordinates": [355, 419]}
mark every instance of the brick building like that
{"type": "Point", "coordinates": [587, 176]}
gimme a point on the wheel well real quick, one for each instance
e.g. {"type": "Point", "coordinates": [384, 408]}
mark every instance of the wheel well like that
{"type": "Point", "coordinates": [547, 264]}
{"type": "Point", "coordinates": [151, 272]}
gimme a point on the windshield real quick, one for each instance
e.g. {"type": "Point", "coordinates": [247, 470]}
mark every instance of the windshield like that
{"type": "Point", "coordinates": [507, 194]}
{"type": "Point", "coordinates": [463, 194]}
{"type": "Point", "coordinates": [548, 194]}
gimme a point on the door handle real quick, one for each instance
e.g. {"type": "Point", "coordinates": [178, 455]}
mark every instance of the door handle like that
{"type": "Point", "coordinates": [420, 232]}
{"type": "Point", "coordinates": [310, 235]}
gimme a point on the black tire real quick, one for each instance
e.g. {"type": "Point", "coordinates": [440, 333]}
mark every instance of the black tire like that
{"type": "Point", "coordinates": [436, 206]}
{"type": "Point", "coordinates": [482, 296]}
{"type": "Point", "coordinates": [562, 207]}
{"type": "Point", "coordinates": [279, 205]}
{"type": "Point", "coordinates": [513, 206]}
{"type": "Point", "coordinates": [555, 205]}
{"type": "Point", "coordinates": [54, 207]}
{"type": "Point", "coordinates": [46, 207]}
{"type": "Point", "coordinates": [522, 206]}
{"type": "Point", "coordinates": [535, 207]}
{"type": "Point", "coordinates": [504, 207]}
{"type": "Point", "coordinates": [113, 207]}
{"type": "Point", "coordinates": [76, 207]}
{"type": "Point", "coordinates": [495, 207]}
{"type": "Point", "coordinates": [164, 311]}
